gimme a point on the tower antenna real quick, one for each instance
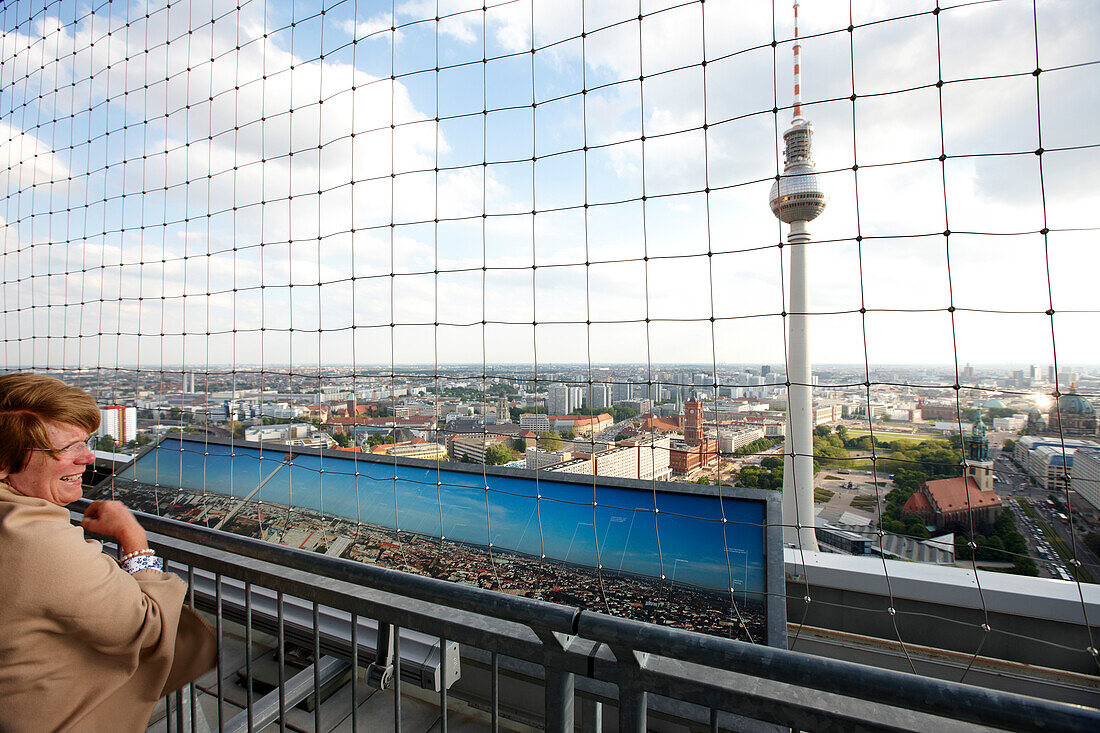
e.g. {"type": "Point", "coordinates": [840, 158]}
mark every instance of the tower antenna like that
{"type": "Point", "coordinates": [797, 68]}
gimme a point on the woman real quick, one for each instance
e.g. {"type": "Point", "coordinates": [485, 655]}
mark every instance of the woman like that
{"type": "Point", "coordinates": [87, 643]}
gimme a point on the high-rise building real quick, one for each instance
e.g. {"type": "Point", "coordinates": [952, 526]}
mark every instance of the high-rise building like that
{"type": "Point", "coordinates": [557, 399]}
{"type": "Point", "coordinates": [118, 421]}
{"type": "Point", "coordinates": [576, 399]}
{"type": "Point", "coordinates": [599, 395]}
{"type": "Point", "coordinates": [622, 391]}
{"type": "Point", "coordinates": [797, 199]}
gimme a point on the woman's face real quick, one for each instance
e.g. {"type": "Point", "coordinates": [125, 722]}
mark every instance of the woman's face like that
{"type": "Point", "coordinates": [55, 475]}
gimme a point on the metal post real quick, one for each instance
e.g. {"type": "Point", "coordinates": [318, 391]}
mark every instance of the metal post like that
{"type": "Point", "coordinates": [632, 707]}
{"type": "Point", "coordinates": [218, 653]}
{"type": "Point", "coordinates": [316, 667]}
{"type": "Point", "coordinates": [191, 686]}
{"type": "Point", "coordinates": [442, 685]}
{"type": "Point", "coordinates": [494, 690]}
{"type": "Point", "coordinates": [248, 652]}
{"type": "Point", "coordinates": [354, 673]}
{"type": "Point", "coordinates": [559, 700]}
{"type": "Point", "coordinates": [397, 679]}
{"type": "Point", "coordinates": [282, 661]}
{"type": "Point", "coordinates": [178, 695]}
{"type": "Point", "coordinates": [591, 715]}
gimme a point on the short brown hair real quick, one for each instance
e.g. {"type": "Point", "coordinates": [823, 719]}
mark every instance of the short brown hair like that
{"type": "Point", "coordinates": [27, 402]}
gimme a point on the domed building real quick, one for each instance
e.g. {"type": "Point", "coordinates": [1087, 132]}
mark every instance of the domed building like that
{"type": "Point", "coordinates": [1072, 415]}
{"type": "Point", "coordinates": [1036, 423]}
{"type": "Point", "coordinates": [993, 403]}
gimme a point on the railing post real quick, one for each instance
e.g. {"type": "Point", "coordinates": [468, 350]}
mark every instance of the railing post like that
{"type": "Point", "coordinates": [632, 707]}
{"type": "Point", "coordinates": [559, 700]}
{"type": "Point", "coordinates": [442, 685]}
{"type": "Point", "coordinates": [591, 715]}
{"type": "Point", "coordinates": [633, 699]}
{"type": "Point", "coordinates": [558, 685]}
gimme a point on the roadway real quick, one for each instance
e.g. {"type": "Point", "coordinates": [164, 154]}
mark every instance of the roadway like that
{"type": "Point", "coordinates": [1014, 483]}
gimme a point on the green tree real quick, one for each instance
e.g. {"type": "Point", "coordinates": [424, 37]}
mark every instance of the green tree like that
{"type": "Point", "coordinates": [106, 443]}
{"type": "Point", "coordinates": [342, 439]}
{"type": "Point", "coordinates": [757, 446]}
{"type": "Point", "coordinates": [914, 527]}
{"type": "Point", "coordinates": [749, 477]}
{"type": "Point", "coordinates": [703, 480]}
{"type": "Point", "coordinates": [569, 435]}
{"type": "Point", "coordinates": [1092, 541]}
{"type": "Point", "coordinates": [550, 441]}
{"type": "Point", "coordinates": [620, 412]}
{"type": "Point", "coordinates": [235, 427]}
{"type": "Point", "coordinates": [498, 454]}
{"type": "Point", "coordinates": [519, 444]}
{"type": "Point", "coordinates": [515, 412]}
{"type": "Point", "coordinates": [761, 476]}
{"type": "Point", "coordinates": [1024, 565]}
{"type": "Point", "coordinates": [1009, 445]}
{"type": "Point", "coordinates": [828, 448]}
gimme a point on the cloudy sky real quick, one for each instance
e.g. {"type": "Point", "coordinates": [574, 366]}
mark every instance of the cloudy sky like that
{"type": "Point", "coordinates": [292, 182]}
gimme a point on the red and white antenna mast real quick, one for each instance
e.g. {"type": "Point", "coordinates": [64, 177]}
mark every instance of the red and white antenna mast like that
{"type": "Point", "coordinates": [797, 68]}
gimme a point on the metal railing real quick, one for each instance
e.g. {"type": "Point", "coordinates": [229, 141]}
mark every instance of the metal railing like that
{"type": "Point", "coordinates": [404, 628]}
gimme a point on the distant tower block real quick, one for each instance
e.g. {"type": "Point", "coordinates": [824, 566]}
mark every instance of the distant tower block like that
{"type": "Point", "coordinates": [797, 199]}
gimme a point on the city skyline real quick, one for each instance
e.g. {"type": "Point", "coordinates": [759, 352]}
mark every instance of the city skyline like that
{"type": "Point", "coordinates": [170, 224]}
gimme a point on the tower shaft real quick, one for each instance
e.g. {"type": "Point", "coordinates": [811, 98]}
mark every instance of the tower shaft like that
{"type": "Point", "coordinates": [798, 461]}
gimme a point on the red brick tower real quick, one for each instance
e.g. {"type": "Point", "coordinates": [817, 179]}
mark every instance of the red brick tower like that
{"type": "Point", "coordinates": [693, 422]}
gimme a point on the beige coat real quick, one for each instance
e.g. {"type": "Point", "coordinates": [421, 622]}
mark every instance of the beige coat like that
{"type": "Point", "coordinates": [83, 645]}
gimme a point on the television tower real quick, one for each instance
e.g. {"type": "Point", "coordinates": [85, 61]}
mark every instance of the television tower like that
{"type": "Point", "coordinates": [797, 200]}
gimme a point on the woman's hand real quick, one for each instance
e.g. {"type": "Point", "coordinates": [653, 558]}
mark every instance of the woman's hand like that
{"type": "Point", "coordinates": [114, 519]}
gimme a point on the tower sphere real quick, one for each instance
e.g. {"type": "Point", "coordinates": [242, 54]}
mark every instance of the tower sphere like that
{"type": "Point", "coordinates": [796, 196]}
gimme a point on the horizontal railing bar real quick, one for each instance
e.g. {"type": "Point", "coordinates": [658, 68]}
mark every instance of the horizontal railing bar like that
{"type": "Point", "coordinates": [297, 688]}
{"type": "Point", "coordinates": [898, 689]}
{"type": "Point", "coordinates": [528, 611]}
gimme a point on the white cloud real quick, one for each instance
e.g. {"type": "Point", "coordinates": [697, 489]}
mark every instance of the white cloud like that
{"type": "Point", "coordinates": [373, 25]}
{"type": "Point", "coordinates": [28, 164]}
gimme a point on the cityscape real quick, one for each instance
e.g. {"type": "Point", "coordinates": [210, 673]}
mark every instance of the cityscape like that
{"type": "Point", "coordinates": [635, 422]}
